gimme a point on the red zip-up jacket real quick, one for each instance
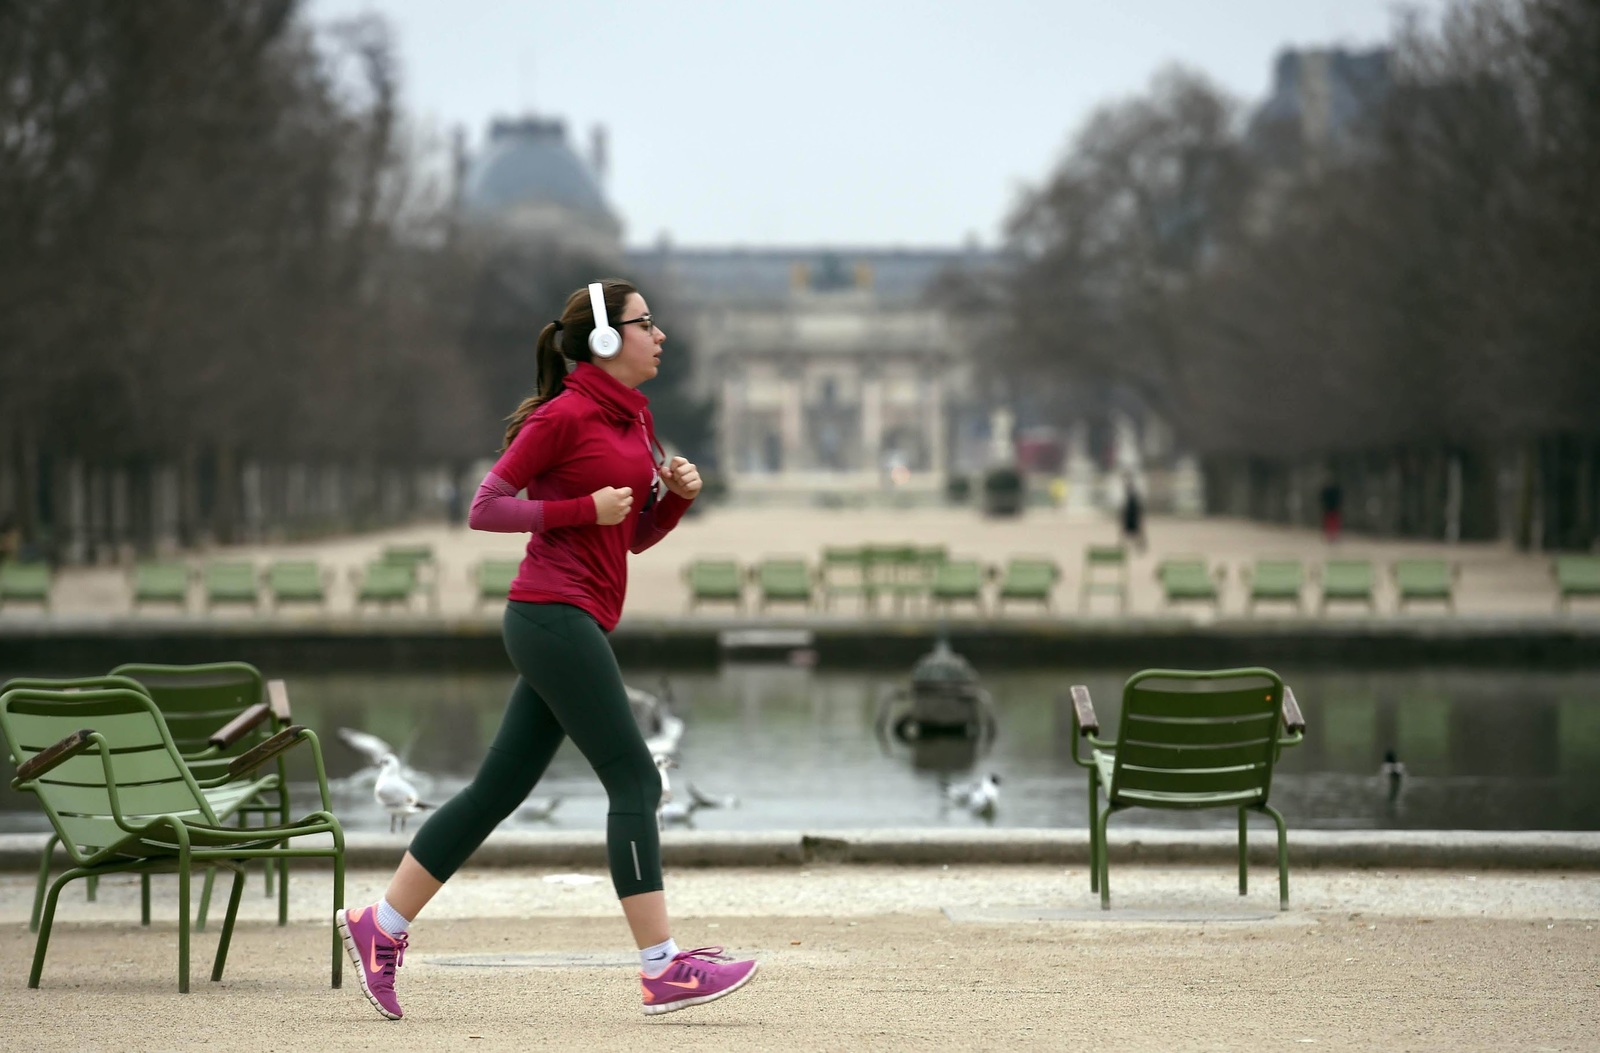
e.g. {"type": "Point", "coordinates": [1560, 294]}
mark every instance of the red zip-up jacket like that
{"type": "Point", "coordinates": [596, 432]}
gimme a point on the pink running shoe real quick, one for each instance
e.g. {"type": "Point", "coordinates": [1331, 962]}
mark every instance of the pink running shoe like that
{"type": "Point", "coordinates": [694, 977]}
{"type": "Point", "coordinates": [376, 955]}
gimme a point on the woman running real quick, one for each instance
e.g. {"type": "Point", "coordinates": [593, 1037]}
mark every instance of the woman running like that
{"type": "Point", "coordinates": [583, 446]}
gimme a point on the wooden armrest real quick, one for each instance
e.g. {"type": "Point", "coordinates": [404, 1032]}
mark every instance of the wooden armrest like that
{"type": "Point", "coordinates": [1292, 720]}
{"type": "Point", "coordinates": [278, 699]}
{"type": "Point", "coordinates": [51, 756]}
{"type": "Point", "coordinates": [1088, 723]}
{"type": "Point", "coordinates": [269, 749]}
{"type": "Point", "coordinates": [239, 726]}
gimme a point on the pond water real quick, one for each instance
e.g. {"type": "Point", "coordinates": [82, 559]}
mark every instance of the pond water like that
{"type": "Point", "coordinates": [1512, 749]}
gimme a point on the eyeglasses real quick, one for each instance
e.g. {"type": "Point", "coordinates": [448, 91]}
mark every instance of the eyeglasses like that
{"type": "Point", "coordinates": [648, 321]}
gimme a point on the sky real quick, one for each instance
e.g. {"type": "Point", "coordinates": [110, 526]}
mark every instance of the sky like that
{"type": "Point", "coordinates": [883, 123]}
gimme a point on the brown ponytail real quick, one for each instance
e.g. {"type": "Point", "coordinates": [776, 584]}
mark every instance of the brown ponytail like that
{"type": "Point", "coordinates": [576, 323]}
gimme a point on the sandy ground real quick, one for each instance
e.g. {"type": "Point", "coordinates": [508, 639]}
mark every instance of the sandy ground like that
{"type": "Point", "coordinates": [858, 957]}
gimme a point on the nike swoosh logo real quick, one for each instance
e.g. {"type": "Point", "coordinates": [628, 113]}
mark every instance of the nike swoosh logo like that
{"type": "Point", "coordinates": [690, 986]}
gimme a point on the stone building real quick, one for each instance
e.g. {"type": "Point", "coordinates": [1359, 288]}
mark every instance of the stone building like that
{"type": "Point", "coordinates": [832, 370]}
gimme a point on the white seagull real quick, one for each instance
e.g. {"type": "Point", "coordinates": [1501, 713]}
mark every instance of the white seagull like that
{"type": "Point", "coordinates": [368, 745]}
{"type": "Point", "coordinates": [981, 798]}
{"type": "Point", "coordinates": [398, 797]}
{"type": "Point", "coordinates": [661, 728]}
{"type": "Point", "coordinates": [663, 810]}
{"type": "Point", "coordinates": [702, 799]}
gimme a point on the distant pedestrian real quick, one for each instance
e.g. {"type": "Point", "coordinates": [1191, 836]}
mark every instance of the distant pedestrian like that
{"type": "Point", "coordinates": [1132, 514]}
{"type": "Point", "coordinates": [581, 446]}
{"type": "Point", "coordinates": [455, 508]}
{"type": "Point", "coordinates": [1332, 510]}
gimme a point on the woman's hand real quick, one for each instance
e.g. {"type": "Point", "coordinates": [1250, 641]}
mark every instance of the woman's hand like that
{"type": "Point", "coordinates": [682, 477]}
{"type": "Point", "coordinates": [613, 503]}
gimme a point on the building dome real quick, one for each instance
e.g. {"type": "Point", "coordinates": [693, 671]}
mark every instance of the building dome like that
{"type": "Point", "coordinates": [529, 177]}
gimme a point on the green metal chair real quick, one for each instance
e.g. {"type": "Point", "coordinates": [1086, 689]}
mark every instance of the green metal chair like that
{"type": "Point", "coordinates": [297, 581]}
{"type": "Point", "coordinates": [385, 584]}
{"type": "Point", "coordinates": [491, 580]}
{"type": "Point", "coordinates": [215, 712]}
{"type": "Point", "coordinates": [26, 582]}
{"type": "Point", "coordinates": [957, 581]}
{"type": "Point", "coordinates": [1425, 581]}
{"type": "Point", "coordinates": [231, 582]}
{"type": "Point", "coordinates": [715, 580]}
{"type": "Point", "coordinates": [157, 582]}
{"type": "Point", "coordinates": [1577, 577]}
{"type": "Point", "coordinates": [1188, 579]}
{"type": "Point", "coordinates": [424, 567]}
{"type": "Point", "coordinates": [1274, 581]}
{"type": "Point", "coordinates": [1105, 573]}
{"type": "Point", "coordinates": [226, 801]}
{"type": "Point", "coordinates": [121, 800]}
{"type": "Point", "coordinates": [1189, 740]}
{"type": "Point", "coordinates": [842, 572]}
{"type": "Point", "coordinates": [419, 555]}
{"type": "Point", "coordinates": [1347, 581]}
{"type": "Point", "coordinates": [782, 579]}
{"type": "Point", "coordinates": [1027, 579]}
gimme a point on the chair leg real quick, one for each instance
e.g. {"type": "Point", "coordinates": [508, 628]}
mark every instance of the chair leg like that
{"type": "Point", "coordinates": [283, 890]}
{"type": "Point", "coordinates": [144, 899]}
{"type": "Point", "coordinates": [44, 881]}
{"type": "Point", "coordinates": [227, 922]}
{"type": "Point", "coordinates": [205, 899]}
{"type": "Point", "coordinates": [1094, 831]}
{"type": "Point", "coordinates": [1105, 872]}
{"type": "Point", "coordinates": [183, 925]}
{"type": "Point", "coordinates": [91, 888]}
{"type": "Point", "coordinates": [1244, 861]}
{"type": "Point", "coordinates": [1283, 856]}
{"type": "Point", "coordinates": [47, 919]}
{"type": "Point", "coordinates": [338, 904]}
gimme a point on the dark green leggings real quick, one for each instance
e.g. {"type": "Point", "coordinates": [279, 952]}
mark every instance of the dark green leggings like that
{"type": "Point", "coordinates": [568, 684]}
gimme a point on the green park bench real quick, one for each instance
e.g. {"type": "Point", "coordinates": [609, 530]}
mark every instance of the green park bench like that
{"type": "Point", "coordinates": [782, 579]}
{"type": "Point", "coordinates": [161, 582]}
{"type": "Point", "coordinates": [491, 580]}
{"type": "Point", "coordinates": [297, 581]}
{"type": "Point", "coordinates": [1347, 581]}
{"type": "Point", "coordinates": [1577, 577]}
{"type": "Point", "coordinates": [231, 582]}
{"type": "Point", "coordinates": [385, 584]}
{"type": "Point", "coordinates": [1188, 579]}
{"type": "Point", "coordinates": [1027, 579]}
{"type": "Point", "coordinates": [957, 581]}
{"type": "Point", "coordinates": [25, 582]}
{"type": "Point", "coordinates": [423, 564]}
{"type": "Point", "coordinates": [1105, 573]}
{"type": "Point", "coordinates": [842, 572]}
{"type": "Point", "coordinates": [1274, 581]}
{"type": "Point", "coordinates": [1424, 581]}
{"type": "Point", "coordinates": [714, 580]}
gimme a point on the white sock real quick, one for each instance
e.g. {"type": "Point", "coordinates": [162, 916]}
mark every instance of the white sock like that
{"type": "Point", "coordinates": [652, 960]}
{"type": "Point", "coordinates": [391, 920]}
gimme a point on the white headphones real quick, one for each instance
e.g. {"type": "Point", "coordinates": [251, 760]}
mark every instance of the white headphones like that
{"type": "Point", "coordinates": [605, 341]}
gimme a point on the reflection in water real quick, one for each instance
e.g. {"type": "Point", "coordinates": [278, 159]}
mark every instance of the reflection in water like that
{"type": "Point", "coordinates": [1513, 749]}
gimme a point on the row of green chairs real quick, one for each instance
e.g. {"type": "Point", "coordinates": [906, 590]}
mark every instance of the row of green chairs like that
{"type": "Point", "coordinates": [396, 578]}
{"type": "Point", "coordinates": [153, 769]}
{"type": "Point", "coordinates": [902, 576]}
{"type": "Point", "coordinates": [1190, 579]}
